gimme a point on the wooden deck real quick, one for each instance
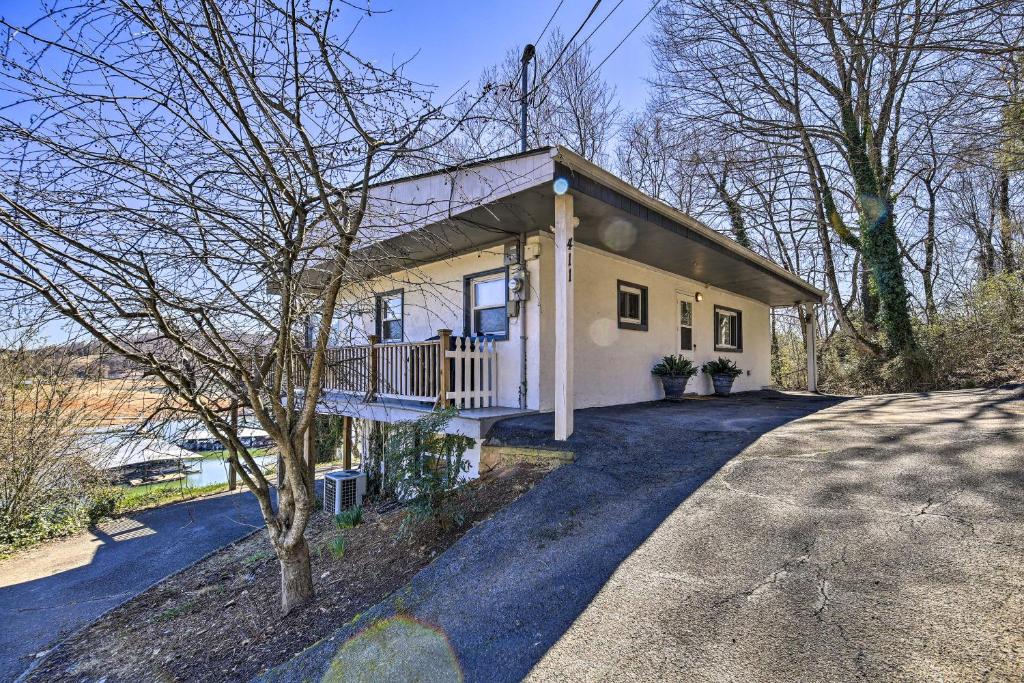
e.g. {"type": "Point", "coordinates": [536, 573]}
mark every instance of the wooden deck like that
{"type": "Point", "coordinates": [471, 422]}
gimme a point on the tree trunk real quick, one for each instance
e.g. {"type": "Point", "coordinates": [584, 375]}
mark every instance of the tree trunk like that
{"type": "Point", "coordinates": [1005, 222]}
{"type": "Point", "coordinates": [881, 251]}
{"type": "Point", "coordinates": [296, 577]}
{"type": "Point", "coordinates": [310, 457]}
{"type": "Point", "coordinates": [868, 298]}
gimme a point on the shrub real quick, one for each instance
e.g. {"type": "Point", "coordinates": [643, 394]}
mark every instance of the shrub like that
{"type": "Point", "coordinates": [675, 366]}
{"type": "Point", "coordinates": [347, 519]}
{"type": "Point", "coordinates": [721, 366]}
{"type": "Point", "coordinates": [423, 466]}
{"type": "Point", "coordinates": [980, 341]}
{"type": "Point", "coordinates": [976, 340]}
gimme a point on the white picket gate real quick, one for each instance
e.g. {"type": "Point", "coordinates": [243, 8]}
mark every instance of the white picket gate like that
{"type": "Point", "coordinates": [473, 382]}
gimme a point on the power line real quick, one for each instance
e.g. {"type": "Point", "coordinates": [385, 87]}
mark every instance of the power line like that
{"type": "Point", "coordinates": [580, 47]}
{"type": "Point", "coordinates": [624, 39]}
{"type": "Point", "coordinates": [565, 47]}
{"type": "Point", "coordinates": [550, 19]}
{"type": "Point", "coordinates": [591, 34]}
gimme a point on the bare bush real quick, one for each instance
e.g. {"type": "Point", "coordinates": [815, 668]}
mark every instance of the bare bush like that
{"type": "Point", "coordinates": [49, 476]}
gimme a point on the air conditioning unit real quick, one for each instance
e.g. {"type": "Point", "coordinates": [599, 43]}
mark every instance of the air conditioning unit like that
{"type": "Point", "coordinates": [343, 490]}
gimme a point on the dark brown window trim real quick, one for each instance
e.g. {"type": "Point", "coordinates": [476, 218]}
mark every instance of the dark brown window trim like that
{"type": "Point", "coordinates": [642, 327]}
{"type": "Point", "coordinates": [467, 327]}
{"type": "Point", "coordinates": [379, 322]}
{"type": "Point", "coordinates": [739, 330]}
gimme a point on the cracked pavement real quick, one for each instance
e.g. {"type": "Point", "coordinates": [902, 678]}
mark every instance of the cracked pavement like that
{"type": "Point", "coordinates": [761, 537]}
{"type": "Point", "coordinates": [878, 539]}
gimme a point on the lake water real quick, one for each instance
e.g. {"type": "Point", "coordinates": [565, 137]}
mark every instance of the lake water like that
{"type": "Point", "coordinates": [209, 471]}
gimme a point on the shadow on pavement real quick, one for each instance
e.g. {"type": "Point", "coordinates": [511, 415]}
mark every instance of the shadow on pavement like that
{"type": "Point", "coordinates": [52, 591]}
{"type": "Point", "coordinates": [506, 592]}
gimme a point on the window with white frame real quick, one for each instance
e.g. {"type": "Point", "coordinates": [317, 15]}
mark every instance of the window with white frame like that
{"type": "Point", "coordinates": [486, 304]}
{"type": "Point", "coordinates": [390, 312]}
{"type": "Point", "coordinates": [685, 325]}
{"type": "Point", "coordinates": [632, 304]}
{"type": "Point", "coordinates": [728, 329]}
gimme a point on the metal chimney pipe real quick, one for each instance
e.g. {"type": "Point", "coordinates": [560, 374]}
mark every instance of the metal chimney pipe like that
{"type": "Point", "coordinates": [528, 53]}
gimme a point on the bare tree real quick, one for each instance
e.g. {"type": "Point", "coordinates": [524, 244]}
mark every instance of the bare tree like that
{"type": "Point", "coordinates": [826, 85]}
{"type": "Point", "coordinates": [569, 104]}
{"type": "Point", "coordinates": [186, 180]}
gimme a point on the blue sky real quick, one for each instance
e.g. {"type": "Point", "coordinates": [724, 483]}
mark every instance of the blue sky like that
{"type": "Point", "coordinates": [454, 40]}
{"type": "Point", "coordinates": [451, 42]}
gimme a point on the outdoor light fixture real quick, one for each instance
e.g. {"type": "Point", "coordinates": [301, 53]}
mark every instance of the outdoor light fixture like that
{"type": "Point", "coordinates": [698, 296]}
{"type": "Point", "coordinates": [561, 185]}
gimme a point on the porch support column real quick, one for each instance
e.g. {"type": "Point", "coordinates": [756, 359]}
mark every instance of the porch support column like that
{"type": "Point", "coordinates": [812, 349]}
{"type": "Point", "coordinates": [346, 446]}
{"type": "Point", "coordinates": [564, 230]}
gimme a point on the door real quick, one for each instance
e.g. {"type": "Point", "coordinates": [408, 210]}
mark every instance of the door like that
{"type": "Point", "coordinates": [684, 325]}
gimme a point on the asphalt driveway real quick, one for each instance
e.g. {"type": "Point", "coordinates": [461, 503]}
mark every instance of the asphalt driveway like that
{"type": "Point", "coordinates": [881, 539]}
{"type": "Point", "coordinates": [757, 538]}
{"type": "Point", "coordinates": [49, 592]}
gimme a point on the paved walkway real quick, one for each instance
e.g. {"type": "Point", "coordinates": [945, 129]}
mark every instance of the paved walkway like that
{"type": "Point", "coordinates": [754, 539]}
{"type": "Point", "coordinates": [51, 591]}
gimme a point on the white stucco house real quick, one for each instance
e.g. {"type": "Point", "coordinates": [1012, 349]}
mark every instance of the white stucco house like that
{"type": "Point", "coordinates": [540, 282]}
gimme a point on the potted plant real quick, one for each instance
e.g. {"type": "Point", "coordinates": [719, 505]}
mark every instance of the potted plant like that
{"type": "Point", "coordinates": [675, 372]}
{"type": "Point", "coordinates": [723, 373]}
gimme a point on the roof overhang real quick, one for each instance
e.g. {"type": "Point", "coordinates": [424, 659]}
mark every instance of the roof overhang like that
{"type": "Point", "coordinates": [426, 218]}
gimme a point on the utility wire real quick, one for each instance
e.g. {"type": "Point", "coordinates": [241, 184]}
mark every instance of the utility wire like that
{"type": "Point", "coordinates": [624, 39]}
{"type": "Point", "coordinates": [565, 47]}
{"type": "Point", "coordinates": [577, 50]}
{"type": "Point", "coordinates": [591, 34]}
{"type": "Point", "coordinates": [550, 19]}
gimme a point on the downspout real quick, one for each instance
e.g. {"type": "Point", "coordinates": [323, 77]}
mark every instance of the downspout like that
{"type": "Point", "coordinates": [522, 329]}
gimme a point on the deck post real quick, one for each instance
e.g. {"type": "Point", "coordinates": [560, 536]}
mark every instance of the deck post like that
{"type": "Point", "coordinates": [371, 374]}
{"type": "Point", "coordinates": [564, 369]}
{"type": "Point", "coordinates": [812, 349]}
{"type": "Point", "coordinates": [444, 382]}
{"type": "Point", "coordinates": [346, 446]}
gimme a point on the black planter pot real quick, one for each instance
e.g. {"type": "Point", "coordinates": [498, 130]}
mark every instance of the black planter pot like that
{"type": "Point", "coordinates": [674, 386]}
{"type": "Point", "coordinates": [723, 384]}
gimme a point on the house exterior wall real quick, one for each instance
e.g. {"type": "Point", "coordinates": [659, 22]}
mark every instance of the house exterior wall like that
{"type": "Point", "coordinates": [613, 366]}
{"type": "Point", "coordinates": [433, 300]}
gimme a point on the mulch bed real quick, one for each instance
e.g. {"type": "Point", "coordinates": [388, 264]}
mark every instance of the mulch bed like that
{"type": "Point", "coordinates": [219, 619]}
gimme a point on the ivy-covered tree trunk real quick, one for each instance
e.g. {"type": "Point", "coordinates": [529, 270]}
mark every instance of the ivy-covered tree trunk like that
{"type": "Point", "coordinates": [882, 255]}
{"type": "Point", "coordinates": [880, 249]}
{"type": "Point", "coordinates": [735, 210]}
{"type": "Point", "coordinates": [868, 296]}
{"type": "Point", "coordinates": [1005, 221]}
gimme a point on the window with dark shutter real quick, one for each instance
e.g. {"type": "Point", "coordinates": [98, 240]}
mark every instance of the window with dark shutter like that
{"type": "Point", "coordinates": [632, 306]}
{"type": "Point", "coordinates": [728, 329]}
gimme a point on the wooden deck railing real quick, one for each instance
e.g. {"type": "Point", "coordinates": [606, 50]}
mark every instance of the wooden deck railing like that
{"type": "Point", "coordinates": [458, 371]}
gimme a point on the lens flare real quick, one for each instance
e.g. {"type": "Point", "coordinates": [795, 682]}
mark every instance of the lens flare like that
{"type": "Point", "coordinates": [617, 234]}
{"type": "Point", "coordinates": [603, 331]}
{"type": "Point", "coordinates": [396, 649]}
{"type": "Point", "coordinates": [561, 185]}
